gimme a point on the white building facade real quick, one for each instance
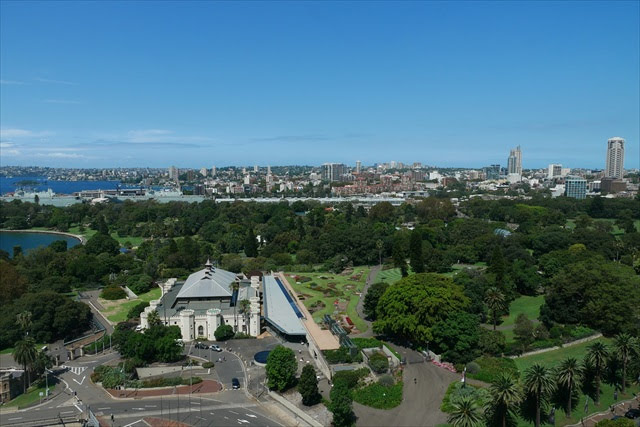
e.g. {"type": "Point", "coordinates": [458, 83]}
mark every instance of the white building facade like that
{"type": "Point", "coordinates": [208, 299]}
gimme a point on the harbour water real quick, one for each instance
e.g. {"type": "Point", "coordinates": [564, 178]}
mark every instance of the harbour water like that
{"type": "Point", "coordinates": [40, 183]}
{"type": "Point", "coordinates": [29, 241]}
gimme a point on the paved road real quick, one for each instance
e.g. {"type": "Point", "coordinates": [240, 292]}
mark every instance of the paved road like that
{"type": "Point", "coordinates": [229, 407]}
{"type": "Point", "coordinates": [360, 306]}
{"type": "Point", "coordinates": [421, 402]}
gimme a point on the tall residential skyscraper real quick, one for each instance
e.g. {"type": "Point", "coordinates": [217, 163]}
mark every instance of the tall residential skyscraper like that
{"type": "Point", "coordinates": [615, 158]}
{"type": "Point", "coordinates": [358, 166]}
{"type": "Point", "coordinates": [174, 173]}
{"type": "Point", "coordinates": [554, 171]}
{"type": "Point", "coordinates": [333, 171]}
{"type": "Point", "coordinates": [514, 162]}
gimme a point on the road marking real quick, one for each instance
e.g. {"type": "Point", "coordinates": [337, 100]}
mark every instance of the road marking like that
{"type": "Point", "coordinates": [15, 419]}
{"type": "Point", "coordinates": [234, 412]}
{"type": "Point", "coordinates": [251, 415]}
{"type": "Point", "coordinates": [78, 408]}
{"type": "Point", "coordinates": [77, 370]}
{"type": "Point", "coordinates": [226, 418]}
{"type": "Point", "coordinates": [242, 421]}
{"type": "Point", "coordinates": [81, 381]}
{"type": "Point", "coordinates": [138, 409]}
{"type": "Point", "coordinates": [212, 413]}
{"type": "Point", "coordinates": [67, 412]}
{"type": "Point", "coordinates": [195, 403]}
{"type": "Point", "coordinates": [134, 423]}
{"type": "Point", "coordinates": [150, 406]}
{"type": "Point", "coordinates": [200, 418]}
{"type": "Point", "coordinates": [102, 409]}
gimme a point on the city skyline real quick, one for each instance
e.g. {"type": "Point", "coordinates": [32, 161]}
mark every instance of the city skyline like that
{"type": "Point", "coordinates": [450, 85]}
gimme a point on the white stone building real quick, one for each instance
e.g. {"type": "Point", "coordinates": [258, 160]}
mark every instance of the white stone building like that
{"type": "Point", "coordinates": [207, 299]}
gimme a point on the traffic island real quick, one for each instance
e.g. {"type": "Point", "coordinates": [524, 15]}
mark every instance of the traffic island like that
{"type": "Point", "coordinates": [204, 387]}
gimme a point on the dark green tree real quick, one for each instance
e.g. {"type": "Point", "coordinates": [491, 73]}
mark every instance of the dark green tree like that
{"type": "Point", "coordinates": [410, 307]}
{"type": "Point", "coordinates": [224, 332]}
{"type": "Point", "coordinates": [538, 384]}
{"type": "Point", "coordinates": [250, 244]}
{"type": "Point", "coordinates": [341, 405]}
{"type": "Point", "coordinates": [506, 395]}
{"type": "Point", "coordinates": [457, 337]}
{"type": "Point", "coordinates": [308, 386]}
{"type": "Point", "coordinates": [496, 303]}
{"type": "Point", "coordinates": [25, 353]}
{"type": "Point", "coordinates": [371, 298]}
{"type": "Point", "coordinates": [281, 368]}
{"type": "Point", "coordinates": [416, 258]}
{"type": "Point", "coordinates": [569, 377]}
{"type": "Point", "coordinates": [597, 356]}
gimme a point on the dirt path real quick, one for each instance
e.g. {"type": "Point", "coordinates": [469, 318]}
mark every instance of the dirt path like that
{"type": "Point", "coordinates": [360, 306]}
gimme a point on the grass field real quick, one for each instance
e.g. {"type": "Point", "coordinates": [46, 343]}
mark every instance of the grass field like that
{"type": "Point", "coordinates": [389, 276]}
{"type": "Point", "coordinates": [329, 288]}
{"type": "Point", "coordinates": [524, 304]}
{"type": "Point", "coordinates": [553, 358]}
{"type": "Point", "coordinates": [116, 311]}
{"type": "Point", "coordinates": [32, 396]}
{"type": "Point", "coordinates": [10, 349]}
{"type": "Point", "coordinates": [88, 233]}
{"type": "Point", "coordinates": [571, 224]}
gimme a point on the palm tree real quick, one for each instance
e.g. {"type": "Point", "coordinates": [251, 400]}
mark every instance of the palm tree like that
{"type": "Point", "coordinates": [506, 395]}
{"type": "Point", "coordinates": [245, 308]}
{"type": "Point", "coordinates": [23, 320]}
{"type": "Point", "coordinates": [569, 375]}
{"type": "Point", "coordinates": [42, 362]}
{"type": "Point", "coordinates": [235, 287]}
{"type": "Point", "coordinates": [623, 345]}
{"type": "Point", "coordinates": [538, 382]}
{"type": "Point", "coordinates": [494, 299]}
{"type": "Point", "coordinates": [597, 355]}
{"type": "Point", "coordinates": [466, 413]}
{"type": "Point", "coordinates": [25, 354]}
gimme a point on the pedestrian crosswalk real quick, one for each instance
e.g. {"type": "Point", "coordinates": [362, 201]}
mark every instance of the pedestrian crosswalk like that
{"type": "Point", "coordinates": [78, 370]}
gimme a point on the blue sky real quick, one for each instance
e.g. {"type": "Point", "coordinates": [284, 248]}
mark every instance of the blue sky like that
{"type": "Point", "coordinates": [119, 84]}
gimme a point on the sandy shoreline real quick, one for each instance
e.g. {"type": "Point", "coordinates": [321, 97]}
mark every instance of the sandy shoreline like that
{"type": "Point", "coordinates": [82, 239]}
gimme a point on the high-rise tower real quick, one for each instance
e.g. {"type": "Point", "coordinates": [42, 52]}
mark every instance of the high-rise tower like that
{"type": "Point", "coordinates": [514, 162]}
{"type": "Point", "coordinates": [615, 158]}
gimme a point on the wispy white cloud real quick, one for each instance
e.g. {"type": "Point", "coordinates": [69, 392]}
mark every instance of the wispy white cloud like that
{"type": "Point", "coordinates": [8, 149]}
{"type": "Point", "coordinates": [61, 101]}
{"type": "Point", "coordinates": [148, 135]}
{"type": "Point", "coordinates": [61, 155]}
{"type": "Point", "coordinates": [21, 133]}
{"type": "Point", "coordinates": [11, 82]}
{"type": "Point", "coordinates": [59, 82]}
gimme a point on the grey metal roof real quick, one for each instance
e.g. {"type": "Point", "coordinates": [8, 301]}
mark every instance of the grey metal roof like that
{"type": "Point", "coordinates": [277, 309]}
{"type": "Point", "coordinates": [208, 282]}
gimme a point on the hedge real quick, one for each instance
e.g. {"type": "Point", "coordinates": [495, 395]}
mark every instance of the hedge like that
{"type": "Point", "coordinates": [492, 367]}
{"type": "Point", "coordinates": [379, 396]}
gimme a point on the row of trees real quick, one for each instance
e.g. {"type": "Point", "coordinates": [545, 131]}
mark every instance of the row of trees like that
{"type": "Point", "coordinates": [541, 386]}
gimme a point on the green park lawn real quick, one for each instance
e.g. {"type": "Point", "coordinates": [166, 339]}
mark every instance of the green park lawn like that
{"type": "Point", "coordinates": [554, 357]}
{"type": "Point", "coordinates": [30, 397]}
{"type": "Point", "coordinates": [330, 287]}
{"type": "Point", "coordinates": [116, 311]}
{"type": "Point", "coordinates": [9, 350]}
{"type": "Point", "coordinates": [523, 304]}
{"type": "Point", "coordinates": [89, 232]}
{"type": "Point", "coordinates": [392, 275]}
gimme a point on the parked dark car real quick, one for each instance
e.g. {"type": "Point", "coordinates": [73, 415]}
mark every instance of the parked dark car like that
{"type": "Point", "coordinates": [632, 413]}
{"type": "Point", "coordinates": [235, 383]}
{"type": "Point", "coordinates": [202, 345]}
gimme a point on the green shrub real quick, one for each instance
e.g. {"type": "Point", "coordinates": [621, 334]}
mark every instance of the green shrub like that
{"type": "Point", "coordinates": [386, 380]}
{"type": "Point", "coordinates": [112, 293]}
{"type": "Point", "coordinates": [135, 311]}
{"type": "Point", "coordinates": [224, 332]}
{"type": "Point", "coordinates": [341, 355]}
{"type": "Point", "coordinates": [367, 343]}
{"type": "Point", "coordinates": [379, 396]}
{"type": "Point", "coordinates": [193, 380]}
{"type": "Point", "coordinates": [473, 368]}
{"type": "Point", "coordinates": [350, 378]}
{"type": "Point", "coordinates": [455, 391]}
{"type": "Point", "coordinates": [207, 365]}
{"type": "Point", "coordinates": [379, 363]}
{"type": "Point", "coordinates": [492, 367]}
